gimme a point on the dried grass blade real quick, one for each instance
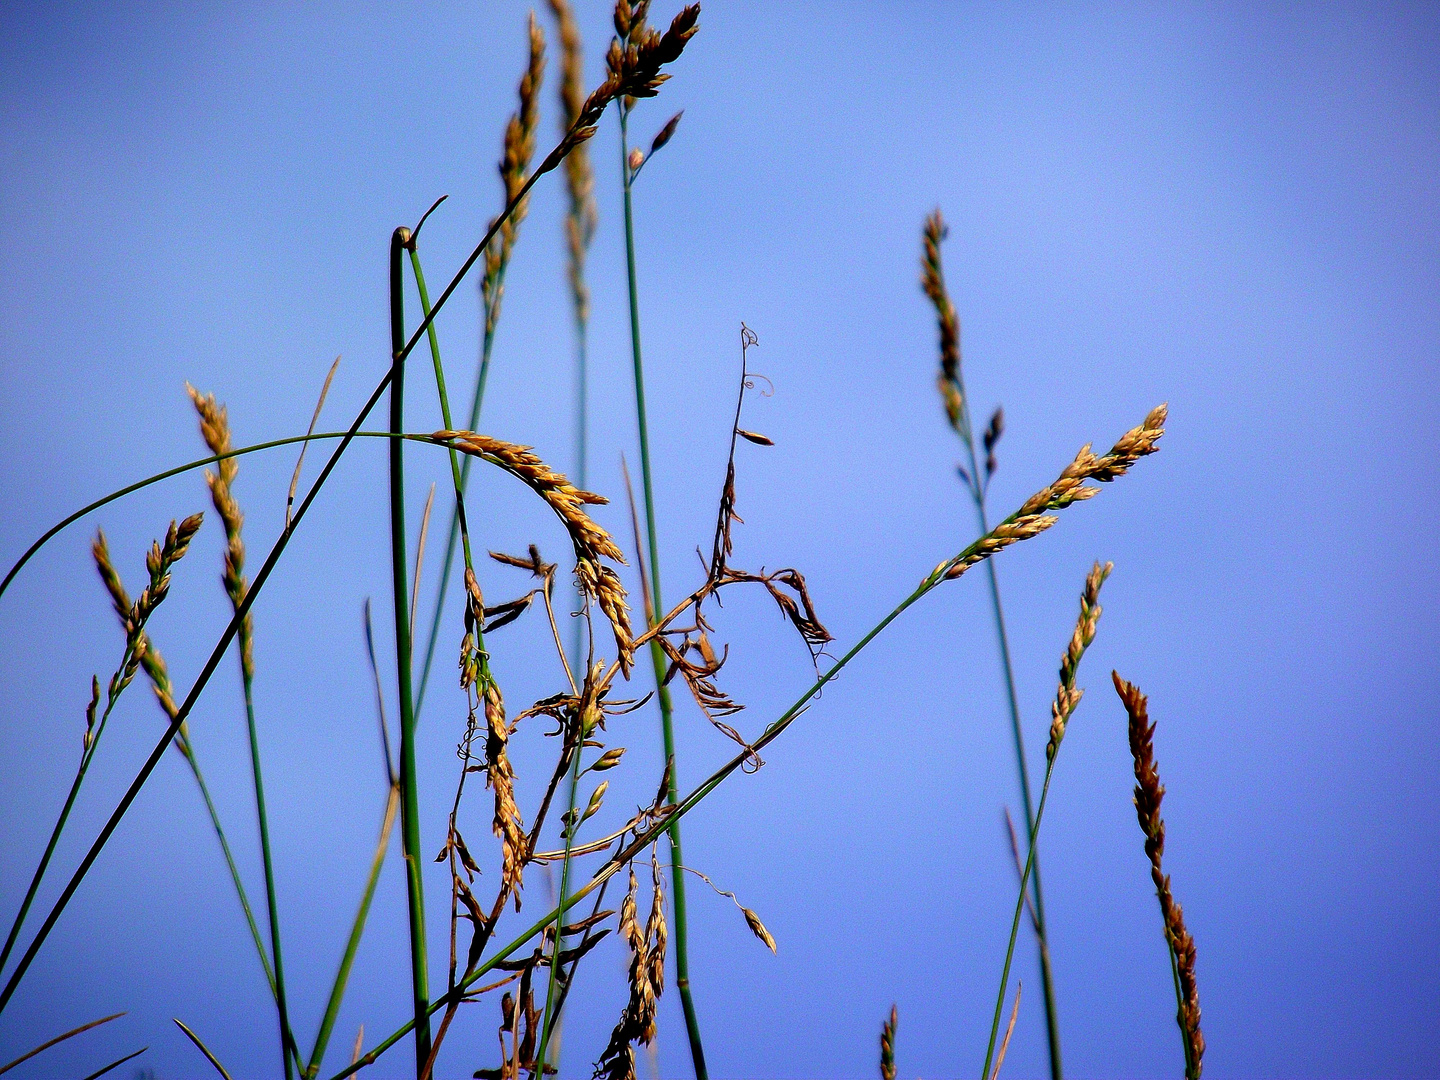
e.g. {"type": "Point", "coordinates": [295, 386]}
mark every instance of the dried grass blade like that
{"type": "Point", "coordinates": [1009, 1030]}
{"type": "Point", "coordinates": [315, 419]}
{"type": "Point", "coordinates": [420, 557]}
{"type": "Point", "coordinates": [59, 1039]}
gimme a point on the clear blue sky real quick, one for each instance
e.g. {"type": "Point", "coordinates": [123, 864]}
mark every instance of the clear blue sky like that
{"type": "Point", "coordinates": [1232, 208]}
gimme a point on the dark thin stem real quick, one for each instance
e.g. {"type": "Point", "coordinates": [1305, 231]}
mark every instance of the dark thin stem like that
{"type": "Point", "coordinates": [409, 796]}
{"type": "Point", "coordinates": [221, 646]}
{"type": "Point", "coordinates": [657, 654]}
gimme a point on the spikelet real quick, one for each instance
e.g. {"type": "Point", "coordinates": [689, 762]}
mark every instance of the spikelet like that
{"type": "Point", "coordinates": [1068, 488]}
{"type": "Point", "coordinates": [514, 172]}
{"type": "Point", "coordinates": [150, 659]}
{"type": "Point", "coordinates": [215, 430]}
{"type": "Point", "coordinates": [579, 174]}
{"type": "Point", "coordinates": [499, 775]}
{"type": "Point", "coordinates": [656, 936]}
{"type": "Point", "coordinates": [1068, 696]}
{"type": "Point", "coordinates": [633, 72]}
{"type": "Point", "coordinates": [998, 539]}
{"type": "Point", "coordinates": [932, 281]}
{"type": "Point", "coordinates": [647, 980]}
{"type": "Point", "coordinates": [1148, 795]}
{"type": "Point", "coordinates": [887, 1045]}
{"type": "Point", "coordinates": [1133, 445]}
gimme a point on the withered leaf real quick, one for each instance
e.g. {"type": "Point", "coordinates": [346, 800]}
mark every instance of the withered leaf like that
{"type": "Point", "coordinates": [755, 437]}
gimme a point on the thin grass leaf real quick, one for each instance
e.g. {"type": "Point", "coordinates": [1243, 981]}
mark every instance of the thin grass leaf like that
{"type": "Point", "coordinates": [203, 1049]}
{"type": "Point", "coordinates": [115, 1064]}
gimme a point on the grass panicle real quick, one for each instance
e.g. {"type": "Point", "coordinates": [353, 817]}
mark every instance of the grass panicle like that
{"type": "Point", "coordinates": [1148, 795]}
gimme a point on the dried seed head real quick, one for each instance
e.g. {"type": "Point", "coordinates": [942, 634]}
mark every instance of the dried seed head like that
{"type": "Point", "coordinates": [932, 282]}
{"type": "Point", "coordinates": [500, 776]}
{"type": "Point", "coordinates": [579, 175]}
{"type": "Point", "coordinates": [758, 928]}
{"type": "Point", "coordinates": [215, 430]}
{"type": "Point", "coordinates": [608, 760]}
{"type": "Point", "coordinates": [1148, 795]}
{"type": "Point", "coordinates": [515, 171]}
{"type": "Point", "coordinates": [1068, 487]}
{"type": "Point", "coordinates": [633, 72]}
{"type": "Point", "coordinates": [997, 539]}
{"type": "Point", "coordinates": [1068, 696]}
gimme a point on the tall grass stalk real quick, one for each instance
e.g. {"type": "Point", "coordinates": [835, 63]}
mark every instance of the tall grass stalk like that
{"type": "Point", "coordinates": [580, 224]}
{"type": "Point", "coordinates": [1066, 698]}
{"type": "Point", "coordinates": [957, 407]}
{"type": "Point", "coordinates": [215, 428]}
{"type": "Point", "coordinates": [409, 796]}
{"type": "Point", "coordinates": [657, 654]}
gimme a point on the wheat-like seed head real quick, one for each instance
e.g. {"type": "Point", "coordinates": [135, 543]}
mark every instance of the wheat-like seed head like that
{"type": "Point", "coordinates": [150, 659]}
{"type": "Point", "coordinates": [932, 281]}
{"type": "Point", "coordinates": [1069, 487]}
{"type": "Point", "coordinates": [1149, 793]}
{"type": "Point", "coordinates": [515, 170]}
{"type": "Point", "coordinates": [633, 71]}
{"type": "Point", "coordinates": [591, 542]}
{"type": "Point", "coordinates": [579, 174]}
{"type": "Point", "coordinates": [887, 1045]}
{"type": "Point", "coordinates": [507, 825]}
{"type": "Point", "coordinates": [1068, 695]}
{"type": "Point", "coordinates": [215, 430]}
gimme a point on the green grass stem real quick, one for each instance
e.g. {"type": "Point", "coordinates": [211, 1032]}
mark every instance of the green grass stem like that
{"type": "Point", "coordinates": [189, 754]}
{"type": "Point", "coordinates": [357, 930]}
{"type": "Point", "coordinates": [657, 654]}
{"type": "Point", "coordinates": [409, 795]}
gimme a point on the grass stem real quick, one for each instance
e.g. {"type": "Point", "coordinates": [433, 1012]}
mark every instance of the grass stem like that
{"type": "Point", "coordinates": [657, 654]}
{"type": "Point", "coordinates": [409, 796]}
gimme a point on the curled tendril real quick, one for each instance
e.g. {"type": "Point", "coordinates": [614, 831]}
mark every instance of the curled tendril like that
{"type": "Point", "coordinates": [751, 376]}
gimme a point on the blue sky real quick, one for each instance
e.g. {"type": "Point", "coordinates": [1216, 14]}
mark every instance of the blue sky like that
{"type": "Point", "coordinates": [1232, 208]}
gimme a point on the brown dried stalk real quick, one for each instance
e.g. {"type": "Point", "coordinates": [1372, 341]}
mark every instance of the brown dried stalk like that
{"type": "Point", "coordinates": [1148, 794]}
